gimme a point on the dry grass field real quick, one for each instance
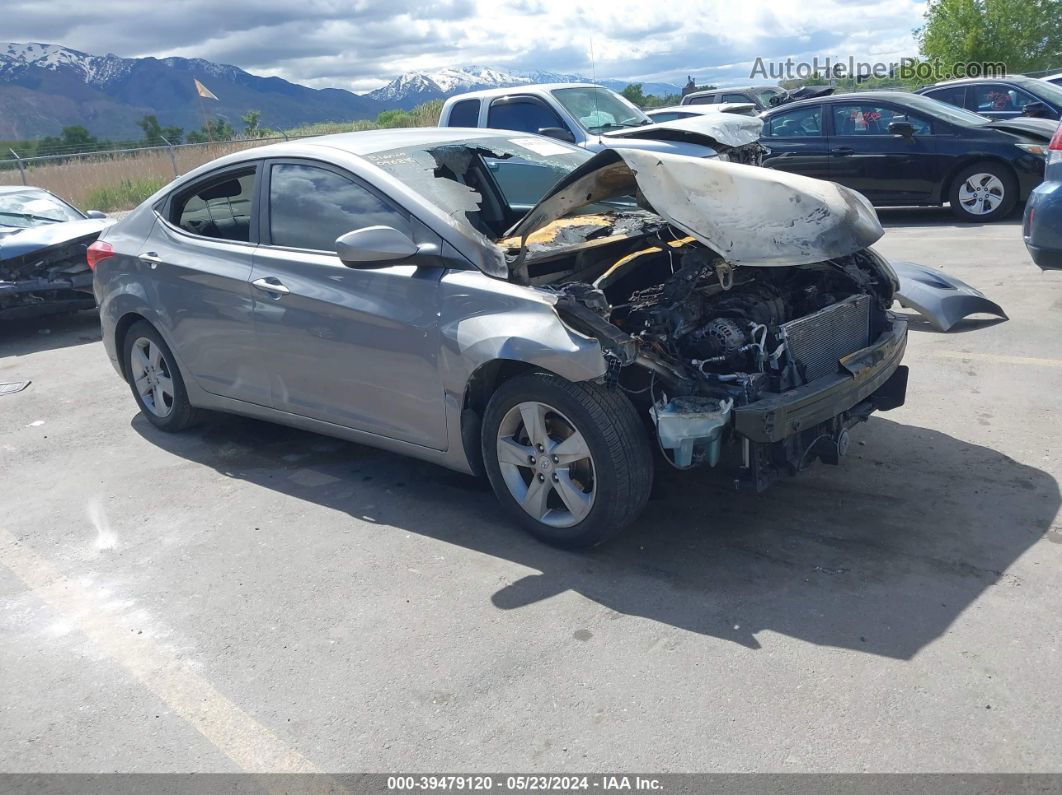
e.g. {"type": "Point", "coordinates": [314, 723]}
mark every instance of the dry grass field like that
{"type": "Point", "coordinates": [122, 179]}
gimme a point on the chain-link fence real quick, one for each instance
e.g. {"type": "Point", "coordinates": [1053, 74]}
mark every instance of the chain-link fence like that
{"type": "Point", "coordinates": [116, 179]}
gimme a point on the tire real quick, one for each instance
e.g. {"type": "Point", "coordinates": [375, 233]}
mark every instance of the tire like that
{"type": "Point", "coordinates": [984, 191]}
{"type": "Point", "coordinates": [588, 498]}
{"type": "Point", "coordinates": [153, 376]}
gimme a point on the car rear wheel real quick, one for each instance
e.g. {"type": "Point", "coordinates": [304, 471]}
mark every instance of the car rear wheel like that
{"type": "Point", "coordinates": [155, 379]}
{"type": "Point", "coordinates": [570, 461]}
{"type": "Point", "coordinates": [983, 192]}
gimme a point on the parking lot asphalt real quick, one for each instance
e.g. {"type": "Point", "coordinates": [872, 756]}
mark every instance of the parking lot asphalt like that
{"type": "Point", "coordinates": [248, 597]}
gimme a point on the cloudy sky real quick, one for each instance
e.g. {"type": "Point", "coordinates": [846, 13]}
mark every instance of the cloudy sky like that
{"type": "Point", "coordinates": [361, 44]}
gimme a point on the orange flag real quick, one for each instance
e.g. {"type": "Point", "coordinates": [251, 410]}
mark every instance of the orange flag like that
{"type": "Point", "coordinates": [203, 91]}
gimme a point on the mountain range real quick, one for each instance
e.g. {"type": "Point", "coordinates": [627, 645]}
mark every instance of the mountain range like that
{"type": "Point", "coordinates": [45, 87]}
{"type": "Point", "coordinates": [413, 88]}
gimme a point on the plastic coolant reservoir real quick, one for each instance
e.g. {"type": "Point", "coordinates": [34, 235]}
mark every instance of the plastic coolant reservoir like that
{"type": "Point", "coordinates": [691, 428]}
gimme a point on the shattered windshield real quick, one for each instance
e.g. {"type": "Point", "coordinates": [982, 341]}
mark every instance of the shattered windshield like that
{"type": "Point", "coordinates": [34, 208]}
{"type": "Point", "coordinates": [600, 110]}
{"type": "Point", "coordinates": [468, 179]}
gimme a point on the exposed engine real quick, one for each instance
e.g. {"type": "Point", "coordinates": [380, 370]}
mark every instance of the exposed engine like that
{"type": "Point", "coordinates": [709, 337]}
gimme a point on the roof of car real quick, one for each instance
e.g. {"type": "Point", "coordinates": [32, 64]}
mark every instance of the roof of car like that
{"type": "Point", "coordinates": [724, 89]}
{"type": "Point", "coordinates": [968, 80]}
{"type": "Point", "coordinates": [369, 142]}
{"type": "Point", "coordinates": [501, 92]}
{"type": "Point", "coordinates": [857, 96]}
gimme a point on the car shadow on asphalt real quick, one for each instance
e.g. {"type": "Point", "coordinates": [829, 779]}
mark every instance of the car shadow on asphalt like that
{"type": "Point", "coordinates": [879, 555]}
{"type": "Point", "coordinates": [33, 335]}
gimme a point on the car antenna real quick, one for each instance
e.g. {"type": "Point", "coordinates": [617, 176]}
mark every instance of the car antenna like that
{"type": "Point", "coordinates": [593, 70]}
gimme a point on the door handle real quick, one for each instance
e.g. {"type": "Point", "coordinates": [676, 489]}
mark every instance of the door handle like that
{"type": "Point", "coordinates": [151, 258]}
{"type": "Point", "coordinates": [843, 150]}
{"type": "Point", "coordinates": [271, 284]}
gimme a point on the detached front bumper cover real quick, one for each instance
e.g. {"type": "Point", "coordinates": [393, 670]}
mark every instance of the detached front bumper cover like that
{"type": "Point", "coordinates": [874, 369]}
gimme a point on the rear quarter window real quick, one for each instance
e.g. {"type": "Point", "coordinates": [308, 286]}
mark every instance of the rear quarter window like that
{"type": "Point", "coordinates": [464, 114]}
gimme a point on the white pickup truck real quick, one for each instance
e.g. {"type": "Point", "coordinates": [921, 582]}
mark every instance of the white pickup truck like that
{"type": "Point", "coordinates": [596, 118]}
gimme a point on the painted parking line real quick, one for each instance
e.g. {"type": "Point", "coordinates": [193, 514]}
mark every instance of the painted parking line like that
{"type": "Point", "coordinates": [249, 744]}
{"type": "Point", "coordinates": [999, 358]}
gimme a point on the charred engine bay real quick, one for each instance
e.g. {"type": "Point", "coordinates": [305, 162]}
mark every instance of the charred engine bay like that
{"type": "Point", "coordinates": [678, 322]}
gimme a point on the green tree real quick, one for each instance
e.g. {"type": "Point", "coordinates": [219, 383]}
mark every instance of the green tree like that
{"type": "Point", "coordinates": [173, 134]}
{"type": "Point", "coordinates": [152, 130]}
{"type": "Point", "coordinates": [634, 94]}
{"type": "Point", "coordinates": [217, 129]}
{"type": "Point", "coordinates": [251, 128]}
{"type": "Point", "coordinates": [1026, 35]}
{"type": "Point", "coordinates": [74, 139]}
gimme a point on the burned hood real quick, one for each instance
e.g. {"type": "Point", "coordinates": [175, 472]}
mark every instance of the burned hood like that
{"type": "Point", "coordinates": [749, 215]}
{"type": "Point", "coordinates": [16, 243]}
{"type": "Point", "coordinates": [710, 129]}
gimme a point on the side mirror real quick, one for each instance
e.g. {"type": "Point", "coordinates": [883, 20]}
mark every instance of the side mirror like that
{"type": "Point", "coordinates": [95, 214]}
{"type": "Point", "coordinates": [560, 133]}
{"type": "Point", "coordinates": [903, 129]}
{"type": "Point", "coordinates": [374, 247]}
{"type": "Point", "coordinates": [1035, 109]}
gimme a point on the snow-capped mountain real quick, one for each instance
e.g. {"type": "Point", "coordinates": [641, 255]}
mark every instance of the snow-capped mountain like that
{"type": "Point", "coordinates": [45, 87]}
{"type": "Point", "coordinates": [413, 88]}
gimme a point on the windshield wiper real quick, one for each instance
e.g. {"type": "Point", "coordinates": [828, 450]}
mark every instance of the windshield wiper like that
{"type": "Point", "coordinates": [31, 217]}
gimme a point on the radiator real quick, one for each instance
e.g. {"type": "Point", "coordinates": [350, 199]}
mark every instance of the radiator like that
{"type": "Point", "coordinates": [817, 341]}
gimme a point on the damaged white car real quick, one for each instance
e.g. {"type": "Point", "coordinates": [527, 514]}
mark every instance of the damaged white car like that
{"type": "Point", "coordinates": [512, 307]}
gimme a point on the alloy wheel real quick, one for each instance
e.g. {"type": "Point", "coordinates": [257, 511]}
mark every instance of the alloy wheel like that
{"type": "Point", "coordinates": [152, 377]}
{"type": "Point", "coordinates": [981, 193]}
{"type": "Point", "coordinates": [546, 464]}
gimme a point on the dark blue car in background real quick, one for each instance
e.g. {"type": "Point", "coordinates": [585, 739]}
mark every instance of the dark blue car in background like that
{"type": "Point", "coordinates": [905, 149]}
{"type": "Point", "coordinates": [1003, 98]}
{"type": "Point", "coordinates": [1043, 213]}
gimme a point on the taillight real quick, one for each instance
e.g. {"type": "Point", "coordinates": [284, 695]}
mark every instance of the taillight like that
{"type": "Point", "coordinates": [100, 250]}
{"type": "Point", "coordinates": [1054, 150]}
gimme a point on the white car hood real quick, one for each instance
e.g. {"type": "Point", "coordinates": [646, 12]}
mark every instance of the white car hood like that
{"type": "Point", "coordinates": [749, 215]}
{"type": "Point", "coordinates": [728, 129]}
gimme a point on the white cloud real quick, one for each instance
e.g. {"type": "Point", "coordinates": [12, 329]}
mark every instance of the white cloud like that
{"type": "Point", "coordinates": [363, 44]}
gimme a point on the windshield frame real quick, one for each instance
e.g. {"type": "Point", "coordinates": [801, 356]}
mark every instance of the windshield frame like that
{"type": "Point", "coordinates": [562, 95]}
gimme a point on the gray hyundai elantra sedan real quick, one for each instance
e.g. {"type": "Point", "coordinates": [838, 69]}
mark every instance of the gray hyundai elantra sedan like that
{"type": "Point", "coordinates": [507, 305]}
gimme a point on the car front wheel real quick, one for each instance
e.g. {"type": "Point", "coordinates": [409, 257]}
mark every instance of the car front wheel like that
{"type": "Point", "coordinates": [983, 192]}
{"type": "Point", "coordinates": [570, 461]}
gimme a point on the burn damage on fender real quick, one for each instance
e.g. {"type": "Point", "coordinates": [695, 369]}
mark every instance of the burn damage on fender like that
{"type": "Point", "coordinates": [741, 309]}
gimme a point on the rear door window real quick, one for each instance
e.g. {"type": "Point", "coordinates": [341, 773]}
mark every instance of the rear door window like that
{"type": "Point", "coordinates": [219, 207]}
{"type": "Point", "coordinates": [464, 114]}
{"type": "Point", "coordinates": [310, 206]}
{"type": "Point", "coordinates": [525, 114]}
{"type": "Point", "coordinates": [953, 95]}
{"type": "Point", "coordinates": [865, 119]}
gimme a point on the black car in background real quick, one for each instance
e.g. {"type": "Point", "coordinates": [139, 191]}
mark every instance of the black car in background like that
{"type": "Point", "coordinates": [904, 149]}
{"type": "Point", "coordinates": [1003, 98]}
